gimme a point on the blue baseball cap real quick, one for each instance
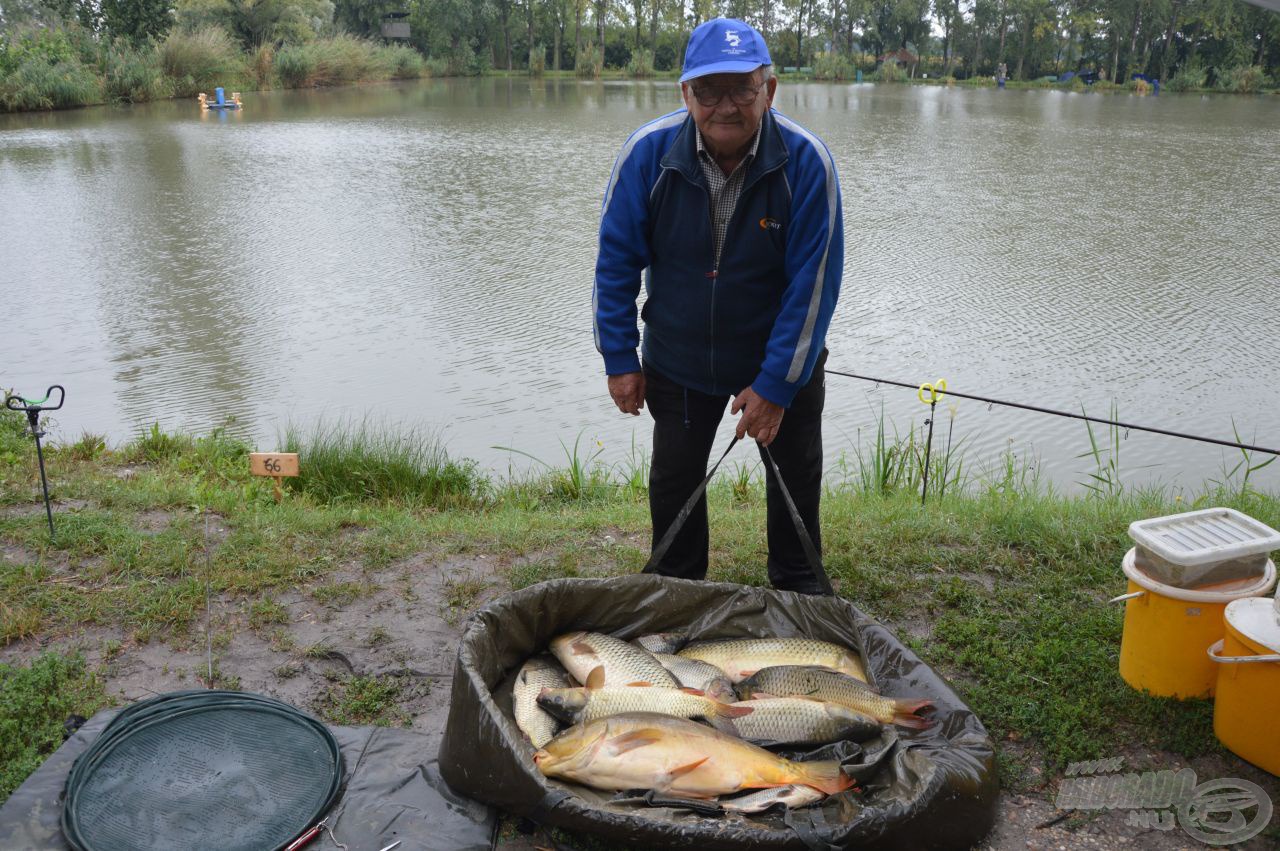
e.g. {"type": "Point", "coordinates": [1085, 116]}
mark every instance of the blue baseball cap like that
{"type": "Point", "coordinates": [724, 46]}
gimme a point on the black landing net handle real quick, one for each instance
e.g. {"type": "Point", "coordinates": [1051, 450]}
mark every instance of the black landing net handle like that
{"type": "Point", "coordinates": [33, 410]}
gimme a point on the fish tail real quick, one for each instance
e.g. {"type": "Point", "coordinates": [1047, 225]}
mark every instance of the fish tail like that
{"type": "Point", "coordinates": [904, 714]}
{"type": "Point", "coordinates": [825, 776]}
{"type": "Point", "coordinates": [723, 723]}
{"type": "Point", "coordinates": [726, 710]}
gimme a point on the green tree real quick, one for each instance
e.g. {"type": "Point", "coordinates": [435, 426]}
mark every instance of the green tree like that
{"type": "Point", "coordinates": [137, 20]}
{"type": "Point", "coordinates": [364, 17]}
{"type": "Point", "coordinates": [255, 22]}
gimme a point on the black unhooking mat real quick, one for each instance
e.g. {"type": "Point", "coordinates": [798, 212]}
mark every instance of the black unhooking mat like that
{"type": "Point", "coordinates": [392, 790]}
{"type": "Point", "coordinates": [934, 788]}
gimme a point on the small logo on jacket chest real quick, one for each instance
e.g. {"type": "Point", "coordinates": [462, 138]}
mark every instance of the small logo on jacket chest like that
{"type": "Point", "coordinates": [770, 224]}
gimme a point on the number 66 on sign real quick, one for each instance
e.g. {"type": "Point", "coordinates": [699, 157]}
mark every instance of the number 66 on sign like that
{"type": "Point", "coordinates": [277, 465]}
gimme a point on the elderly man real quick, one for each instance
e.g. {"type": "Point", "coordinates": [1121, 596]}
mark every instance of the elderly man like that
{"type": "Point", "coordinates": [734, 211]}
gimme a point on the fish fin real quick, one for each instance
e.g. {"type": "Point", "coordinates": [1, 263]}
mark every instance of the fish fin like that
{"type": "Point", "coordinates": [595, 679]}
{"type": "Point", "coordinates": [678, 772]}
{"type": "Point", "coordinates": [823, 776]}
{"type": "Point", "coordinates": [581, 648]}
{"type": "Point", "coordinates": [640, 684]}
{"type": "Point", "coordinates": [904, 714]}
{"type": "Point", "coordinates": [689, 690]}
{"type": "Point", "coordinates": [634, 739]}
{"type": "Point", "coordinates": [726, 710]}
{"type": "Point", "coordinates": [763, 695]}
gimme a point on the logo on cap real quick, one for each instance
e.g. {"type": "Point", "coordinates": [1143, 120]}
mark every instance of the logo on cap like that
{"type": "Point", "coordinates": [732, 37]}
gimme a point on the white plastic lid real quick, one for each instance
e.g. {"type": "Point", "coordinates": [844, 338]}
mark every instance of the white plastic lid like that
{"type": "Point", "coordinates": [1255, 619]}
{"type": "Point", "coordinates": [1251, 587]}
{"type": "Point", "coordinates": [1204, 537]}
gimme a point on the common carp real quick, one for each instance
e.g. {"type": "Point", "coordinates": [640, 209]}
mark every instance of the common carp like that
{"type": "Point", "coordinates": [643, 750]}
{"type": "Point", "coordinates": [797, 721]}
{"type": "Point", "coordinates": [792, 797]}
{"type": "Point", "coordinates": [739, 658]}
{"type": "Point", "coordinates": [703, 676]}
{"type": "Point", "coordinates": [583, 652]}
{"type": "Point", "coordinates": [661, 642]}
{"type": "Point", "coordinates": [540, 672]}
{"type": "Point", "coordinates": [819, 684]}
{"type": "Point", "coordinates": [596, 700]}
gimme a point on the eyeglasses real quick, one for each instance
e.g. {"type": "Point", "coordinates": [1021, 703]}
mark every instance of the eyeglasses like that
{"type": "Point", "coordinates": [743, 95]}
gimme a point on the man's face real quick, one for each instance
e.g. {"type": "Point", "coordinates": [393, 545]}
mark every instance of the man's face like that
{"type": "Point", "coordinates": [728, 125]}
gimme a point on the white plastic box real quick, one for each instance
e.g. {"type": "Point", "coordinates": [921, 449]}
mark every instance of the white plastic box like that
{"type": "Point", "coordinates": [1201, 548]}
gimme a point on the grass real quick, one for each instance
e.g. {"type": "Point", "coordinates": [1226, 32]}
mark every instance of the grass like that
{"type": "Point", "coordinates": [360, 700]}
{"type": "Point", "coordinates": [198, 61]}
{"type": "Point", "coordinates": [998, 582]}
{"type": "Point", "coordinates": [35, 702]}
{"type": "Point", "coordinates": [355, 461]}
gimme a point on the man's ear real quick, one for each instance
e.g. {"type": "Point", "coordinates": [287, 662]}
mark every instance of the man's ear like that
{"type": "Point", "coordinates": [685, 95]}
{"type": "Point", "coordinates": [770, 87]}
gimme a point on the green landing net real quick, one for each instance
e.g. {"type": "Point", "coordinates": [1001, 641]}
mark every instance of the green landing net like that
{"type": "Point", "coordinates": [202, 770]}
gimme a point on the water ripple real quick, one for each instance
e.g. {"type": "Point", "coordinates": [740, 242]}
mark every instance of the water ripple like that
{"type": "Point", "coordinates": [425, 252]}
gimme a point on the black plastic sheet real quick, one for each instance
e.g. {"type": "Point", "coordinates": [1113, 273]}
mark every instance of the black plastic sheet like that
{"type": "Point", "coordinates": [392, 790]}
{"type": "Point", "coordinates": [934, 788]}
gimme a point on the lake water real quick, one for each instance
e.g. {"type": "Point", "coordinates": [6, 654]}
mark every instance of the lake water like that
{"type": "Point", "coordinates": [422, 254]}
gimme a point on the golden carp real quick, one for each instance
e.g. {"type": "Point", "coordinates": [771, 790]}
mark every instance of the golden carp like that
{"type": "Point", "coordinates": [797, 721]}
{"type": "Point", "coordinates": [703, 676]}
{"type": "Point", "coordinates": [643, 750]}
{"type": "Point", "coordinates": [792, 797]}
{"type": "Point", "coordinates": [833, 687]}
{"type": "Point", "coordinates": [538, 673]}
{"type": "Point", "coordinates": [739, 658]}
{"type": "Point", "coordinates": [583, 652]}
{"type": "Point", "coordinates": [596, 700]}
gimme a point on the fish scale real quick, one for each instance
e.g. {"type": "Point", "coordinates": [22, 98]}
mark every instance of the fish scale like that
{"type": "Point", "coordinates": [641, 750]}
{"type": "Point", "coordinates": [582, 652]}
{"type": "Point", "coordinates": [582, 705]}
{"type": "Point", "coordinates": [739, 658]}
{"type": "Point", "coordinates": [792, 797]}
{"type": "Point", "coordinates": [703, 676]}
{"type": "Point", "coordinates": [833, 687]}
{"type": "Point", "coordinates": [535, 722]}
{"type": "Point", "coordinates": [797, 721]}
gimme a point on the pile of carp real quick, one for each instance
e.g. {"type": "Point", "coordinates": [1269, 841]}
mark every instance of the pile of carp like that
{"type": "Point", "coordinates": [635, 718]}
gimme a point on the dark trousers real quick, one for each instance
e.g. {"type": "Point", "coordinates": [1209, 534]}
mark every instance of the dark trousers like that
{"type": "Point", "coordinates": [684, 428]}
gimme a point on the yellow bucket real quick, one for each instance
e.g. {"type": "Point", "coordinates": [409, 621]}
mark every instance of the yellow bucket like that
{"type": "Point", "coordinates": [1167, 629]}
{"type": "Point", "coordinates": [1248, 663]}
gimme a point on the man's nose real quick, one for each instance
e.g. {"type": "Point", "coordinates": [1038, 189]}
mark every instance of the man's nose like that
{"type": "Point", "coordinates": [726, 106]}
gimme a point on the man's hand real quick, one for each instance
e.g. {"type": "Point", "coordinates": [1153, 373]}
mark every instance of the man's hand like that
{"type": "Point", "coordinates": [760, 417]}
{"type": "Point", "coordinates": [627, 391]}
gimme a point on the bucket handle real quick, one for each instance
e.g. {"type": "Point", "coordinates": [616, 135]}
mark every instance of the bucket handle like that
{"type": "Point", "coordinates": [1216, 648]}
{"type": "Point", "coordinates": [1132, 595]}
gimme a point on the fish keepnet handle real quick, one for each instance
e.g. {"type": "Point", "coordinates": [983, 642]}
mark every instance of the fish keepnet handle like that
{"type": "Point", "coordinates": [806, 541]}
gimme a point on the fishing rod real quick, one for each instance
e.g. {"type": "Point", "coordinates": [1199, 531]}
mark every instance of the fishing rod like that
{"type": "Point", "coordinates": [1100, 420]}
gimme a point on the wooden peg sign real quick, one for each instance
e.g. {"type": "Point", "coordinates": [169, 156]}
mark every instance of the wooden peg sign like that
{"type": "Point", "coordinates": [277, 465]}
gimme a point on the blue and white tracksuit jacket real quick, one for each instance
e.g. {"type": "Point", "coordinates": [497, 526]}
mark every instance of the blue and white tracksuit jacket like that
{"type": "Point", "coordinates": [760, 316]}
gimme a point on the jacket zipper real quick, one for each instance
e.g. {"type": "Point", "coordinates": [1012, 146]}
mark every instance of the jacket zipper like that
{"type": "Point", "coordinates": [715, 278]}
